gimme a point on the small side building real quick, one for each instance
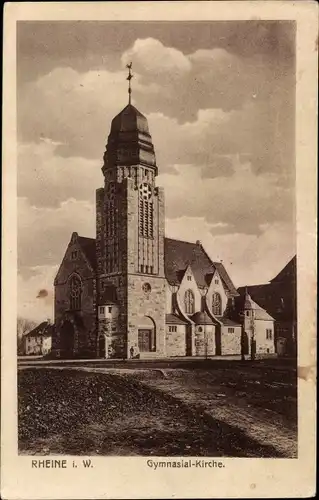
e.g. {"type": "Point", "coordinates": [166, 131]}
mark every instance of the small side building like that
{"type": "Point", "coordinates": [38, 342]}
{"type": "Point", "coordinates": [279, 299]}
{"type": "Point", "coordinates": [258, 327]}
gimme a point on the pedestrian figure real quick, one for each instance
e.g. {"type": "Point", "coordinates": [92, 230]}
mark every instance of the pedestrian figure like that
{"type": "Point", "coordinates": [132, 352]}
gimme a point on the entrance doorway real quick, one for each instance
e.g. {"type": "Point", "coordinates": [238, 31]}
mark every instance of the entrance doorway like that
{"type": "Point", "coordinates": [67, 340]}
{"type": "Point", "coordinates": [145, 343]}
{"type": "Point", "coordinates": [146, 335]}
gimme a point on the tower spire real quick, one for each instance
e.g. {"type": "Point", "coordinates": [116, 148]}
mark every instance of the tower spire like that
{"type": "Point", "coordinates": [129, 78]}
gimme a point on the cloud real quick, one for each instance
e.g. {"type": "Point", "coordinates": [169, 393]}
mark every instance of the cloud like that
{"type": "Point", "coordinates": [222, 122]}
{"type": "Point", "coordinates": [43, 233]}
{"type": "Point", "coordinates": [241, 203]}
{"type": "Point", "coordinates": [71, 108]}
{"type": "Point", "coordinates": [201, 106]}
{"type": "Point", "coordinates": [46, 179]}
{"type": "Point", "coordinates": [248, 258]}
{"type": "Point", "coordinates": [30, 305]}
{"type": "Point", "coordinates": [152, 58]}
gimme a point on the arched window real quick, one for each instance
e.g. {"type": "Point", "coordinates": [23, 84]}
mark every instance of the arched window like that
{"type": "Point", "coordinates": [145, 211]}
{"type": "Point", "coordinates": [217, 304]}
{"type": "Point", "coordinates": [75, 292]}
{"type": "Point", "coordinates": [189, 301]}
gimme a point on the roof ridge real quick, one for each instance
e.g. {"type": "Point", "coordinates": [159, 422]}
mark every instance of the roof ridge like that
{"type": "Point", "coordinates": [182, 241]}
{"type": "Point", "coordinates": [250, 286]}
{"type": "Point", "coordinates": [86, 238]}
{"type": "Point", "coordinates": [203, 249]}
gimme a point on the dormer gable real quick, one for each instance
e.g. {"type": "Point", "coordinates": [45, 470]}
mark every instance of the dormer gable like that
{"type": "Point", "coordinates": [216, 283]}
{"type": "Point", "coordinates": [216, 293]}
{"type": "Point", "coordinates": [187, 277]}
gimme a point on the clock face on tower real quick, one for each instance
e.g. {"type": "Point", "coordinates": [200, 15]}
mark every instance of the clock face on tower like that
{"type": "Point", "coordinates": [145, 191]}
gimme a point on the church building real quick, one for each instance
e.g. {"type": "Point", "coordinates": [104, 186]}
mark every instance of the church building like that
{"type": "Point", "coordinates": [132, 292]}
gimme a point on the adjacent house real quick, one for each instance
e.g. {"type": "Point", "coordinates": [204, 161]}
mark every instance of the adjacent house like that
{"type": "Point", "coordinates": [39, 340]}
{"type": "Point", "coordinates": [279, 298]}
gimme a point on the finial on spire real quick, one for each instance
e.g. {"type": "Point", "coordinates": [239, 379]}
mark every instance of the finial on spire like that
{"type": "Point", "coordinates": [129, 78]}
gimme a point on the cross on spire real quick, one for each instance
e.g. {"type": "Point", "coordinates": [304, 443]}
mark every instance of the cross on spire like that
{"type": "Point", "coordinates": [129, 78]}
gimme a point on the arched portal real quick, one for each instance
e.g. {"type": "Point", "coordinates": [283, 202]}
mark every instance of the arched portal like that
{"type": "Point", "coordinates": [146, 335]}
{"type": "Point", "coordinates": [67, 340]}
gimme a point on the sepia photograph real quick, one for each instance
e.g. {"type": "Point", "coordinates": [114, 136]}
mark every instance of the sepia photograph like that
{"type": "Point", "coordinates": [157, 240]}
{"type": "Point", "coordinates": [159, 258]}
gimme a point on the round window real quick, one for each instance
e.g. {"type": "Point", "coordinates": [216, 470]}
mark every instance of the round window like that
{"type": "Point", "coordinates": [147, 288]}
{"type": "Point", "coordinates": [200, 329]}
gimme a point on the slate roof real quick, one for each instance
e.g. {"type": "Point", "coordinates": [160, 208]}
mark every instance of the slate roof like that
{"type": "Point", "coordinates": [225, 278]}
{"type": "Point", "coordinates": [178, 255]}
{"type": "Point", "coordinates": [242, 303]}
{"type": "Point", "coordinates": [173, 319]}
{"type": "Point", "coordinates": [288, 273]}
{"type": "Point", "coordinates": [44, 329]}
{"type": "Point", "coordinates": [89, 248]}
{"type": "Point", "coordinates": [129, 119]}
{"type": "Point", "coordinates": [202, 318]}
{"type": "Point", "coordinates": [278, 298]}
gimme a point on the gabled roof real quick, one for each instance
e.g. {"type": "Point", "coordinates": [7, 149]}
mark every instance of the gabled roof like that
{"type": "Point", "coordinates": [225, 278]}
{"type": "Point", "coordinates": [278, 298]}
{"type": "Point", "coordinates": [245, 301]}
{"type": "Point", "coordinates": [288, 273]}
{"type": "Point", "coordinates": [262, 314]}
{"type": "Point", "coordinates": [178, 255]}
{"type": "Point", "coordinates": [44, 329]}
{"type": "Point", "coordinates": [89, 249]}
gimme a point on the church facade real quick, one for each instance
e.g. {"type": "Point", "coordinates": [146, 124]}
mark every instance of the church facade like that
{"type": "Point", "coordinates": [132, 292]}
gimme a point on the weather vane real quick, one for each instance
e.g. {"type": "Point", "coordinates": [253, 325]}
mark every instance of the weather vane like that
{"type": "Point", "coordinates": [129, 78]}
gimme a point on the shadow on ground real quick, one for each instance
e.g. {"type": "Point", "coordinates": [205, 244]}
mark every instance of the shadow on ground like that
{"type": "Point", "coordinates": [80, 413]}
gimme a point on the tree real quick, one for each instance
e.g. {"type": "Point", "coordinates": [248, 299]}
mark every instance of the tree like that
{"type": "Point", "coordinates": [24, 326]}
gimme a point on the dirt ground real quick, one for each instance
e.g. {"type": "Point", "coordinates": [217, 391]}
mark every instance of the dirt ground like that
{"type": "Point", "coordinates": [241, 411]}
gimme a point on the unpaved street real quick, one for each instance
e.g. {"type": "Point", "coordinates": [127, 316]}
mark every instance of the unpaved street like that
{"type": "Point", "coordinates": [168, 413]}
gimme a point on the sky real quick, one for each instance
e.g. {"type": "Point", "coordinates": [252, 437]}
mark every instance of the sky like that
{"type": "Point", "coordinates": [220, 102]}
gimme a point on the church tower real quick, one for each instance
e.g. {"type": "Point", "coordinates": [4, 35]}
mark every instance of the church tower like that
{"type": "Point", "coordinates": [130, 242]}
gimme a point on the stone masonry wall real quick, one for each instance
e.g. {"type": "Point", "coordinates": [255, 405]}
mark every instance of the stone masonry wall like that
{"type": "Point", "coordinates": [264, 345]}
{"type": "Point", "coordinates": [85, 320]}
{"type": "Point", "coordinates": [152, 305]}
{"type": "Point", "coordinates": [231, 342]}
{"type": "Point", "coordinates": [119, 337]}
{"type": "Point", "coordinates": [176, 341]}
{"type": "Point", "coordinates": [204, 340]}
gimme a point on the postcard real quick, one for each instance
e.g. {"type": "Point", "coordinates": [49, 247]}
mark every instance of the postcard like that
{"type": "Point", "coordinates": [159, 250]}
